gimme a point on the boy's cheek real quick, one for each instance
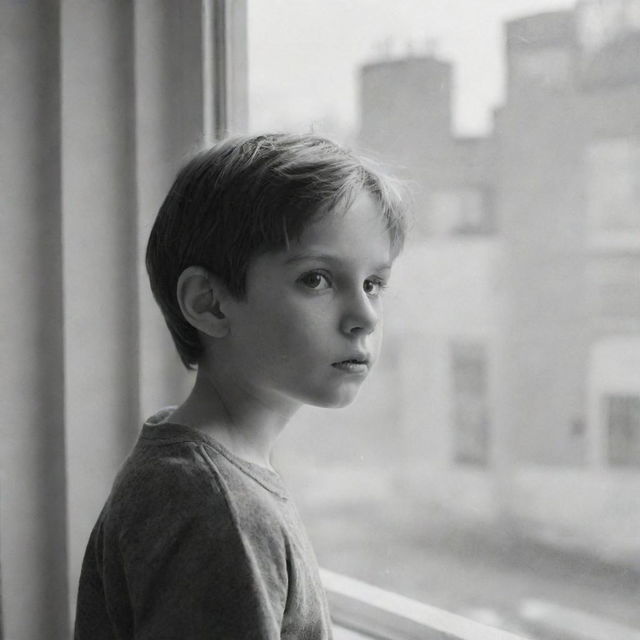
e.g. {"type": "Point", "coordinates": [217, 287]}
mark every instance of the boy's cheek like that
{"type": "Point", "coordinates": [376, 346]}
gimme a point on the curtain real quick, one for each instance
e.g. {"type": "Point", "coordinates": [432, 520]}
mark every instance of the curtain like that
{"type": "Point", "coordinates": [100, 103]}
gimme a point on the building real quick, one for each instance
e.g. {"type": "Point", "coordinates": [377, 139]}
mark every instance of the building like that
{"type": "Point", "coordinates": [511, 385]}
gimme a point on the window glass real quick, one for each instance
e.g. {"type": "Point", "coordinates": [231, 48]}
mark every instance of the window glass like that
{"type": "Point", "coordinates": [613, 167]}
{"type": "Point", "coordinates": [615, 288]}
{"type": "Point", "coordinates": [546, 68]}
{"type": "Point", "coordinates": [469, 396]}
{"type": "Point", "coordinates": [601, 22]}
{"type": "Point", "coordinates": [623, 418]}
{"type": "Point", "coordinates": [489, 465]}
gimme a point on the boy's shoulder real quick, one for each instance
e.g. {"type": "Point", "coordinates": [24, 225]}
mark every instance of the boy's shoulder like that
{"type": "Point", "coordinates": [185, 520]}
{"type": "Point", "coordinates": [176, 472]}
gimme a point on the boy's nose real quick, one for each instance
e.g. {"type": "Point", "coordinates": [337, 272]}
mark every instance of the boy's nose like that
{"type": "Point", "coordinates": [360, 316]}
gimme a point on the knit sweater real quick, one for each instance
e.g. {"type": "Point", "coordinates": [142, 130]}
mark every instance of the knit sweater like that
{"type": "Point", "coordinates": [193, 543]}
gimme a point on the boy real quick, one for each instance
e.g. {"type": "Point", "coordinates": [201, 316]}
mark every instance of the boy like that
{"type": "Point", "coordinates": [267, 258]}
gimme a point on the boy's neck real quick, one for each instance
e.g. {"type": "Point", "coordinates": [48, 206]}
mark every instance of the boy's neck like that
{"type": "Point", "coordinates": [245, 424]}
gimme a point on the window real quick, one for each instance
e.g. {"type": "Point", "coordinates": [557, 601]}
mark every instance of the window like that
{"type": "Point", "coordinates": [439, 445]}
{"type": "Point", "coordinates": [613, 191]}
{"type": "Point", "coordinates": [600, 22]}
{"type": "Point", "coordinates": [615, 287]}
{"type": "Point", "coordinates": [470, 412]}
{"type": "Point", "coordinates": [550, 68]}
{"type": "Point", "coordinates": [623, 424]}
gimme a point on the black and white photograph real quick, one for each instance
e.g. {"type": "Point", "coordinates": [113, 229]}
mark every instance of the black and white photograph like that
{"type": "Point", "coordinates": [320, 320]}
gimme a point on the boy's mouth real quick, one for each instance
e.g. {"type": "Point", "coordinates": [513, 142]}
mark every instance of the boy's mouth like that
{"type": "Point", "coordinates": [353, 365]}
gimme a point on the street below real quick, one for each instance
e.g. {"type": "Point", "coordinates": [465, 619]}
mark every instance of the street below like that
{"type": "Point", "coordinates": [479, 571]}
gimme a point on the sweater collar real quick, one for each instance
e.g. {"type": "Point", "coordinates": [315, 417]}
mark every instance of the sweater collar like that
{"type": "Point", "coordinates": [159, 428]}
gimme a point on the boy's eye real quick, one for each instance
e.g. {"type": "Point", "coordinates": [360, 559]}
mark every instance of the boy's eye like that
{"type": "Point", "coordinates": [315, 280]}
{"type": "Point", "coordinates": [373, 287]}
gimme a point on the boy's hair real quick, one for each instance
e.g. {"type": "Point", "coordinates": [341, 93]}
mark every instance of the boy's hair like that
{"type": "Point", "coordinates": [249, 195]}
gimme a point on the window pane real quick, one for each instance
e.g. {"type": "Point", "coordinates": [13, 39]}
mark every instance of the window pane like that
{"type": "Point", "coordinates": [614, 185]}
{"type": "Point", "coordinates": [469, 398]}
{"type": "Point", "coordinates": [623, 419]}
{"type": "Point", "coordinates": [490, 463]}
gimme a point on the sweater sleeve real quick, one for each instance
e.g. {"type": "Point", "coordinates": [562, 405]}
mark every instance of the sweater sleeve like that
{"type": "Point", "coordinates": [191, 572]}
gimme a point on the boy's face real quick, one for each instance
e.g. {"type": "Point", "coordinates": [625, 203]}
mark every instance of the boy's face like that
{"type": "Point", "coordinates": [310, 327]}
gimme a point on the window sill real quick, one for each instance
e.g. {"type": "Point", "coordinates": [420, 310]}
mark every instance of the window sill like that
{"type": "Point", "coordinates": [361, 611]}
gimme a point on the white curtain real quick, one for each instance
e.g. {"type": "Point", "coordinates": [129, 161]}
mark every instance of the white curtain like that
{"type": "Point", "coordinates": [100, 103]}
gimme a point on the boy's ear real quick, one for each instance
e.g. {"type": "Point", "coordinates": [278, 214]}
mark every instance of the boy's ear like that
{"type": "Point", "coordinates": [201, 296]}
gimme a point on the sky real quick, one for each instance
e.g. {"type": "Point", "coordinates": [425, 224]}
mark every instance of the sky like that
{"type": "Point", "coordinates": [304, 55]}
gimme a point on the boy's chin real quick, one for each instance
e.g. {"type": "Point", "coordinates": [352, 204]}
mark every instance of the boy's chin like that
{"type": "Point", "coordinates": [336, 400]}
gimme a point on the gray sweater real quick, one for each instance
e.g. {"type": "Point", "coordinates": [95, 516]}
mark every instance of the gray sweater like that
{"type": "Point", "coordinates": [196, 543]}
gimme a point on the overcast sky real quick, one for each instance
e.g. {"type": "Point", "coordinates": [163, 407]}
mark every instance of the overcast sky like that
{"type": "Point", "coordinates": [304, 54]}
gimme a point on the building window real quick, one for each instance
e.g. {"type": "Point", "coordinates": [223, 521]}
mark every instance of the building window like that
{"type": "Point", "coordinates": [623, 423]}
{"type": "Point", "coordinates": [601, 22]}
{"type": "Point", "coordinates": [613, 190]}
{"type": "Point", "coordinates": [459, 212]}
{"type": "Point", "coordinates": [549, 68]}
{"type": "Point", "coordinates": [614, 286]}
{"type": "Point", "coordinates": [469, 403]}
